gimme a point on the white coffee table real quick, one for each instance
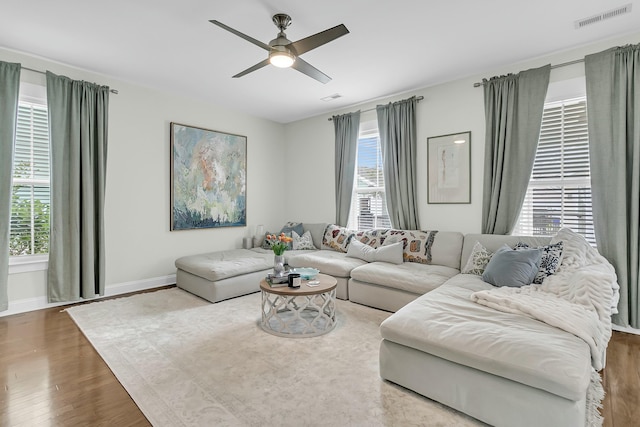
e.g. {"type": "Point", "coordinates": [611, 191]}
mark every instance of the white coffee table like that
{"type": "Point", "coordinates": [307, 311]}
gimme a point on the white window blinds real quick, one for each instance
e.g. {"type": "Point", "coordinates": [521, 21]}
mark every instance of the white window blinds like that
{"type": "Point", "coordinates": [559, 192]}
{"type": "Point", "coordinates": [29, 233]}
{"type": "Point", "coordinates": [368, 203]}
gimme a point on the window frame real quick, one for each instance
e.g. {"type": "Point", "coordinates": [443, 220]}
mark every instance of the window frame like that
{"type": "Point", "coordinates": [562, 183]}
{"type": "Point", "coordinates": [367, 131]}
{"type": "Point", "coordinates": [35, 95]}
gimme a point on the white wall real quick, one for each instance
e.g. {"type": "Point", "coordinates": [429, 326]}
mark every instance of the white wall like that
{"type": "Point", "coordinates": [447, 108]}
{"type": "Point", "coordinates": [139, 246]}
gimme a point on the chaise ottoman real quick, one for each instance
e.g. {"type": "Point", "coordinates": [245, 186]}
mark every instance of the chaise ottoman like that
{"type": "Point", "coordinates": [221, 275]}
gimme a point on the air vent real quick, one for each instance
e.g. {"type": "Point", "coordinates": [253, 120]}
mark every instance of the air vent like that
{"type": "Point", "coordinates": [604, 15]}
{"type": "Point", "coordinates": [331, 97]}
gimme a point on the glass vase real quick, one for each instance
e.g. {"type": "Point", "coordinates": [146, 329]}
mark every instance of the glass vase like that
{"type": "Point", "coordinates": [278, 265]}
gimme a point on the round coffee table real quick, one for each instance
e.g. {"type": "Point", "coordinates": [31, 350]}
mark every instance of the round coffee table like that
{"type": "Point", "coordinates": [307, 311]}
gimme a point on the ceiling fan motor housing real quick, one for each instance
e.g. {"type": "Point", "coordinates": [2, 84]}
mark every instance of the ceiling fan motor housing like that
{"type": "Point", "coordinates": [282, 21]}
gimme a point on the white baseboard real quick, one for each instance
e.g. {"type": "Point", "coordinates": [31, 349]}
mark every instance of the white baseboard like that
{"type": "Point", "coordinates": [627, 329]}
{"type": "Point", "coordinates": [38, 303]}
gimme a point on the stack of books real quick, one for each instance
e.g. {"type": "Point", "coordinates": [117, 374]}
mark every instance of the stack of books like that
{"type": "Point", "coordinates": [277, 282]}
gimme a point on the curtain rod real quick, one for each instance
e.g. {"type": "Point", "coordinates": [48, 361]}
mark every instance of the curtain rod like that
{"type": "Point", "coordinates": [418, 98]}
{"type": "Point", "coordinates": [114, 91]}
{"type": "Point", "coordinates": [564, 64]}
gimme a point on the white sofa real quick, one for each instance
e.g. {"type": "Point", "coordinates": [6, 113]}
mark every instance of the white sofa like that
{"type": "Point", "coordinates": [503, 368]}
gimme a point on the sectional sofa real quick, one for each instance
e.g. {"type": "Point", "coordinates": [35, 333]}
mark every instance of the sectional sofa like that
{"type": "Point", "coordinates": [521, 356]}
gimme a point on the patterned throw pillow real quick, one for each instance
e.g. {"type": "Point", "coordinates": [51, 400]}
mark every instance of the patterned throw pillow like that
{"type": "Point", "coordinates": [478, 260]}
{"type": "Point", "coordinates": [550, 261]}
{"type": "Point", "coordinates": [374, 237]}
{"type": "Point", "coordinates": [417, 244]}
{"type": "Point", "coordinates": [302, 242]}
{"type": "Point", "coordinates": [337, 238]}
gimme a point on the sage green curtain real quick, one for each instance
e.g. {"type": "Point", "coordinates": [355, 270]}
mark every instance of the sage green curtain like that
{"type": "Point", "coordinates": [397, 127]}
{"type": "Point", "coordinates": [9, 92]}
{"type": "Point", "coordinates": [513, 107]}
{"type": "Point", "coordinates": [78, 121]}
{"type": "Point", "coordinates": [347, 129]}
{"type": "Point", "coordinates": [613, 105]}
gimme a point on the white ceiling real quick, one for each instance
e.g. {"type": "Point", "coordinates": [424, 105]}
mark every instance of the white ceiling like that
{"type": "Point", "coordinates": [393, 46]}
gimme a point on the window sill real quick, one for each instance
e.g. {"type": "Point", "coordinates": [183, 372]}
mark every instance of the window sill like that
{"type": "Point", "coordinates": [28, 263]}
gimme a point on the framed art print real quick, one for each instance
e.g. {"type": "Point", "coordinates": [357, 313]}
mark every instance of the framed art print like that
{"type": "Point", "coordinates": [449, 168]}
{"type": "Point", "coordinates": [208, 178]}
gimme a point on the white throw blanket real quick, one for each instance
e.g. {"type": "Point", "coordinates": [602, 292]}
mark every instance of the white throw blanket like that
{"type": "Point", "coordinates": [578, 299]}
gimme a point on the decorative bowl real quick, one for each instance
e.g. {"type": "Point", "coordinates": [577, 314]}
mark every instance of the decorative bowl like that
{"type": "Point", "coordinates": [306, 273]}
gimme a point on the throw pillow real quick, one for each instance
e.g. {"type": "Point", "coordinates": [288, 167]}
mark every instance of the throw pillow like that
{"type": "Point", "coordinates": [337, 238]}
{"type": "Point", "coordinates": [292, 226]}
{"type": "Point", "coordinates": [416, 244]}
{"type": "Point", "coordinates": [389, 253]}
{"type": "Point", "coordinates": [302, 242]}
{"type": "Point", "coordinates": [478, 260]}
{"type": "Point", "coordinates": [512, 268]}
{"type": "Point", "coordinates": [549, 262]}
{"type": "Point", "coordinates": [374, 237]}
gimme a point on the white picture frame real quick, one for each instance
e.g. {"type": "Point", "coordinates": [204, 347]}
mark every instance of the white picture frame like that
{"type": "Point", "coordinates": [449, 168]}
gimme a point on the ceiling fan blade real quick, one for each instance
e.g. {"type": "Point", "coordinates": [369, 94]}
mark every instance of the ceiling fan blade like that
{"type": "Point", "coordinates": [239, 34]}
{"type": "Point", "coordinates": [254, 68]}
{"type": "Point", "coordinates": [306, 44]}
{"type": "Point", "coordinates": [311, 71]}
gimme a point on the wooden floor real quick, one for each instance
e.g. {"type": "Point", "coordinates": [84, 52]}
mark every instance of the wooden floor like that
{"type": "Point", "coordinates": [52, 376]}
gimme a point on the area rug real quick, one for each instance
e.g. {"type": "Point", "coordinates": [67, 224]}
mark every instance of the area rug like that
{"type": "Point", "coordinates": [187, 362]}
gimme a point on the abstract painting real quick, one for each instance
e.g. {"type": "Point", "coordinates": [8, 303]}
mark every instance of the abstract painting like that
{"type": "Point", "coordinates": [208, 178]}
{"type": "Point", "coordinates": [449, 160]}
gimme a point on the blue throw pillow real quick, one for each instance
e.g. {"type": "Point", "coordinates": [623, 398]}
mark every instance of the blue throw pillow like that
{"type": "Point", "coordinates": [292, 226]}
{"type": "Point", "coordinates": [512, 268]}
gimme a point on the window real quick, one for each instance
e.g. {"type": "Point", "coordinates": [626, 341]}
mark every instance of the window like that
{"type": "Point", "coordinates": [29, 233]}
{"type": "Point", "coordinates": [559, 192]}
{"type": "Point", "coordinates": [368, 203]}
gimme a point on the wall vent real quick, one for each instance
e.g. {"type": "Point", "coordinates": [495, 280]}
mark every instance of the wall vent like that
{"type": "Point", "coordinates": [604, 15]}
{"type": "Point", "coordinates": [331, 97]}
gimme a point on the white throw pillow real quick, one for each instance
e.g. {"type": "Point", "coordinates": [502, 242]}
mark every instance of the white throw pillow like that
{"type": "Point", "coordinates": [302, 242]}
{"type": "Point", "coordinates": [387, 253]}
{"type": "Point", "coordinates": [478, 260]}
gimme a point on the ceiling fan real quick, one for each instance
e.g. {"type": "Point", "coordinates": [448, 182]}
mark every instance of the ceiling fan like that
{"type": "Point", "coordinates": [284, 53]}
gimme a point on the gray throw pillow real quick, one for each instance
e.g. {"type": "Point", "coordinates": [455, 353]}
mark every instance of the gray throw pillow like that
{"type": "Point", "coordinates": [512, 268]}
{"type": "Point", "coordinates": [292, 226]}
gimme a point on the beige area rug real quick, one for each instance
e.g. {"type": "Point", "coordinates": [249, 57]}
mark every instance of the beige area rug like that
{"type": "Point", "coordinates": [187, 362]}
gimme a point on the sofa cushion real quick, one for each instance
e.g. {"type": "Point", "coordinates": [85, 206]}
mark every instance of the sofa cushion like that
{"type": "Point", "coordinates": [389, 253]}
{"type": "Point", "coordinates": [333, 263]}
{"type": "Point", "coordinates": [512, 268]}
{"type": "Point", "coordinates": [224, 264]}
{"type": "Point", "coordinates": [447, 324]}
{"type": "Point", "coordinates": [408, 276]}
{"type": "Point", "coordinates": [287, 254]}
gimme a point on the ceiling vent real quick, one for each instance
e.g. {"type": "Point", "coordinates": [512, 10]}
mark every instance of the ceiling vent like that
{"type": "Point", "coordinates": [604, 15]}
{"type": "Point", "coordinates": [331, 97]}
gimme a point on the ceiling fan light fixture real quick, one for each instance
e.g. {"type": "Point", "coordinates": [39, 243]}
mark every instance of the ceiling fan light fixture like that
{"type": "Point", "coordinates": [281, 59]}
